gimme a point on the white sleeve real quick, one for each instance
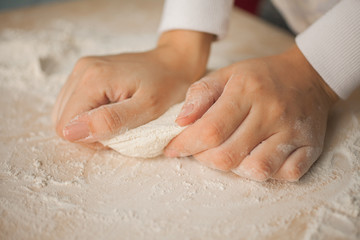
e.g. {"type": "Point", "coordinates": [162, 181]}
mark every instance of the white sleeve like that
{"type": "Point", "coordinates": [210, 16]}
{"type": "Point", "coordinates": [332, 47]}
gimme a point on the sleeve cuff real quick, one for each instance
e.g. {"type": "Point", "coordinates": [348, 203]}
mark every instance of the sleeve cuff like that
{"type": "Point", "coordinates": [332, 47]}
{"type": "Point", "coordinates": [210, 16]}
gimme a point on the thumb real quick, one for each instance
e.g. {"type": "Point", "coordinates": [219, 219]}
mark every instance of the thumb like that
{"type": "Point", "coordinates": [200, 97]}
{"type": "Point", "coordinates": [108, 120]}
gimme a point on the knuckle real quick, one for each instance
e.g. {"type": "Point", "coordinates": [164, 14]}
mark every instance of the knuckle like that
{"type": "Point", "coordinates": [84, 61]}
{"type": "Point", "coordinates": [294, 173]}
{"type": "Point", "coordinates": [94, 70]}
{"type": "Point", "coordinates": [261, 171]}
{"type": "Point", "coordinates": [153, 105]}
{"type": "Point", "coordinates": [110, 120]}
{"type": "Point", "coordinates": [291, 136]}
{"type": "Point", "coordinates": [212, 135]}
{"type": "Point", "coordinates": [224, 160]}
{"type": "Point", "coordinates": [152, 101]}
{"type": "Point", "coordinates": [279, 108]}
{"type": "Point", "coordinates": [231, 107]}
{"type": "Point", "coordinates": [59, 129]}
{"type": "Point", "coordinates": [254, 85]}
{"type": "Point", "coordinates": [202, 88]}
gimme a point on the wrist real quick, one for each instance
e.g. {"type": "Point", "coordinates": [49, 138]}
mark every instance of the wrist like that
{"type": "Point", "coordinates": [186, 51]}
{"type": "Point", "coordinates": [297, 59]}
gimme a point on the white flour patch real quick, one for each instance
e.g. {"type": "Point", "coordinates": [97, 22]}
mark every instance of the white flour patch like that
{"type": "Point", "coordinates": [148, 140]}
{"type": "Point", "coordinates": [52, 189]}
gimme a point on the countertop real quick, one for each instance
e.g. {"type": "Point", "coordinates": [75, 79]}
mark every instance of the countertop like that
{"type": "Point", "coordinates": [51, 189]}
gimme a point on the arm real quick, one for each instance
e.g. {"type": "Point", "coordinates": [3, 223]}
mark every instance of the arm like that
{"type": "Point", "coordinates": [186, 51]}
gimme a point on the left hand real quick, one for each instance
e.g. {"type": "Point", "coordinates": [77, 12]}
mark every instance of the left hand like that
{"type": "Point", "coordinates": [105, 95]}
{"type": "Point", "coordinates": [262, 118]}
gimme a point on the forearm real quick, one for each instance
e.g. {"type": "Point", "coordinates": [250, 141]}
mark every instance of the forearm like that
{"type": "Point", "coordinates": [210, 16]}
{"type": "Point", "coordinates": [188, 27]}
{"type": "Point", "coordinates": [294, 59]}
{"type": "Point", "coordinates": [186, 50]}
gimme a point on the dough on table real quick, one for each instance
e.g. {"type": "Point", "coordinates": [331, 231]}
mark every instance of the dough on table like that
{"type": "Point", "coordinates": [148, 140]}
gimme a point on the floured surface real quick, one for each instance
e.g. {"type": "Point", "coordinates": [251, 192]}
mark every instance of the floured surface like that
{"type": "Point", "coordinates": [52, 189]}
{"type": "Point", "coordinates": [148, 140]}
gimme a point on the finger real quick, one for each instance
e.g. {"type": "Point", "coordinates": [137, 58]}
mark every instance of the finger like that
{"type": "Point", "coordinates": [82, 100]}
{"type": "Point", "coordinates": [60, 101]}
{"type": "Point", "coordinates": [108, 120]}
{"type": "Point", "coordinates": [239, 145]}
{"type": "Point", "coordinates": [199, 98]}
{"type": "Point", "coordinates": [201, 95]}
{"type": "Point", "coordinates": [55, 110]}
{"type": "Point", "coordinates": [68, 92]}
{"type": "Point", "coordinates": [84, 77]}
{"type": "Point", "coordinates": [68, 88]}
{"type": "Point", "coordinates": [95, 145]}
{"type": "Point", "coordinates": [213, 128]}
{"type": "Point", "coordinates": [298, 163]}
{"type": "Point", "coordinates": [266, 158]}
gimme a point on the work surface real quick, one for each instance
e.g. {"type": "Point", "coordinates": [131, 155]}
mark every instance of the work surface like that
{"type": "Point", "coordinates": [52, 189]}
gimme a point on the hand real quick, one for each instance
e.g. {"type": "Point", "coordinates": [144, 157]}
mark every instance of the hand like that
{"type": "Point", "coordinates": [262, 118]}
{"type": "Point", "coordinates": [107, 94]}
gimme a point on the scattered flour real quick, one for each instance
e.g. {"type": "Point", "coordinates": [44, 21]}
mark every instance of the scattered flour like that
{"type": "Point", "coordinates": [148, 140]}
{"type": "Point", "coordinates": [52, 189]}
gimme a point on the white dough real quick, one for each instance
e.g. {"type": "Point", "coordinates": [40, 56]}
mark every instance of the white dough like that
{"type": "Point", "coordinates": [148, 140]}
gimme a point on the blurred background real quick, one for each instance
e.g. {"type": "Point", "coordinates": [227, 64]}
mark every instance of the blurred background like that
{"type": "Point", "coordinates": [9, 4]}
{"type": "Point", "coordinates": [262, 8]}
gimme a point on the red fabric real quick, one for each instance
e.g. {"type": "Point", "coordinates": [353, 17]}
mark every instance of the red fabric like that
{"type": "Point", "coordinates": [248, 5]}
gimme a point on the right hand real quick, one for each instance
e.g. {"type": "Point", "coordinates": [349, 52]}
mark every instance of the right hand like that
{"type": "Point", "coordinates": [107, 94]}
{"type": "Point", "coordinates": [259, 118]}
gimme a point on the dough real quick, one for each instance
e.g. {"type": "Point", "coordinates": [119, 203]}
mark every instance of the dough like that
{"type": "Point", "coordinates": [148, 140]}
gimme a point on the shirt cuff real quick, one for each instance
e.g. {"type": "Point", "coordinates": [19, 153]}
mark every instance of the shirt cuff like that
{"type": "Point", "coordinates": [332, 47]}
{"type": "Point", "coordinates": [210, 16]}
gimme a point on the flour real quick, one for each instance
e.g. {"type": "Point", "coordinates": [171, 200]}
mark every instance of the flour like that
{"type": "Point", "coordinates": [148, 140]}
{"type": "Point", "coordinates": [53, 189]}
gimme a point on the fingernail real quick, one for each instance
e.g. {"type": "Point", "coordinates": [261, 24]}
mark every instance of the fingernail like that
{"type": "Point", "coordinates": [251, 174]}
{"type": "Point", "coordinates": [241, 173]}
{"type": "Point", "coordinates": [171, 153]}
{"type": "Point", "coordinates": [76, 131]}
{"type": "Point", "coordinates": [209, 164]}
{"type": "Point", "coordinates": [186, 110]}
